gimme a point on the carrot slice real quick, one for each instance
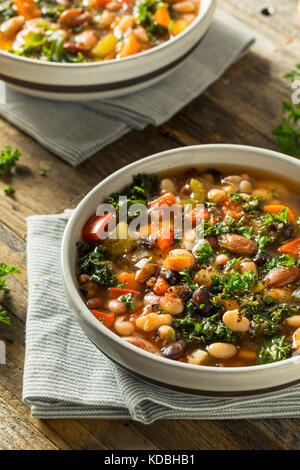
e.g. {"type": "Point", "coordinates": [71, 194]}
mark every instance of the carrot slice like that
{"type": "Point", "coordinates": [161, 286]}
{"type": "Point", "coordinates": [276, 208]}
{"type": "Point", "coordinates": [129, 281]}
{"type": "Point", "coordinates": [165, 238]}
{"type": "Point", "coordinates": [177, 263]}
{"type": "Point", "coordinates": [167, 199]}
{"type": "Point", "coordinates": [27, 8]}
{"type": "Point", "coordinates": [162, 16]}
{"type": "Point", "coordinates": [232, 209]}
{"type": "Point", "coordinates": [179, 26]}
{"type": "Point", "coordinates": [115, 292]}
{"type": "Point", "coordinates": [247, 355]}
{"type": "Point", "coordinates": [100, 3]}
{"type": "Point", "coordinates": [5, 44]}
{"type": "Point", "coordinates": [291, 248]}
{"type": "Point", "coordinates": [107, 318]}
{"type": "Point", "coordinates": [131, 46]}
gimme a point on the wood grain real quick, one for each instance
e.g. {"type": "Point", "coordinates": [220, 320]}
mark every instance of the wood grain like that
{"type": "Point", "coordinates": [242, 107]}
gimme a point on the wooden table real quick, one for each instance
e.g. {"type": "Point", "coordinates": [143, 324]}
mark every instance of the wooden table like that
{"type": "Point", "coordinates": [242, 107]}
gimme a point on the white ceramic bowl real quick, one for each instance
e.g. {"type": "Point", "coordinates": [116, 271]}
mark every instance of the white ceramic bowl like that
{"type": "Point", "coordinates": [111, 78]}
{"type": "Point", "coordinates": [185, 377]}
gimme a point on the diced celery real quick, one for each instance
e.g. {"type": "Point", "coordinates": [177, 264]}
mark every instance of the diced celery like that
{"type": "Point", "coordinates": [198, 191]}
{"type": "Point", "coordinates": [120, 240]}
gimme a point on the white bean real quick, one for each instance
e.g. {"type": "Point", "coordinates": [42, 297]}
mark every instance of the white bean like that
{"type": "Point", "coordinates": [294, 321]}
{"type": "Point", "coordinates": [165, 333]}
{"type": "Point", "coordinates": [247, 266]}
{"type": "Point", "coordinates": [117, 306]}
{"type": "Point", "coordinates": [216, 195]}
{"type": "Point", "coordinates": [221, 260]}
{"type": "Point", "coordinates": [123, 327]}
{"type": "Point", "coordinates": [113, 6]}
{"type": "Point", "coordinates": [167, 185]}
{"type": "Point", "coordinates": [233, 179]}
{"type": "Point", "coordinates": [222, 350]}
{"type": "Point", "coordinates": [152, 321]}
{"type": "Point", "coordinates": [236, 321]}
{"type": "Point", "coordinates": [245, 186]}
{"type": "Point", "coordinates": [198, 357]}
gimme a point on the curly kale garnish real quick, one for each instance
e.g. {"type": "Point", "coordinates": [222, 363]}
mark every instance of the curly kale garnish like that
{"type": "Point", "coordinates": [233, 284]}
{"type": "Point", "coordinates": [140, 192]}
{"type": "Point", "coordinates": [277, 349]}
{"type": "Point", "coordinates": [96, 265]}
{"type": "Point", "coordinates": [206, 331]}
{"type": "Point", "coordinates": [204, 254]}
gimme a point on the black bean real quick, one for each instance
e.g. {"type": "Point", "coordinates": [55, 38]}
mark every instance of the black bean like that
{"type": "Point", "coordinates": [172, 277]}
{"type": "Point", "coordinates": [261, 259]}
{"type": "Point", "coordinates": [288, 230]}
{"type": "Point", "coordinates": [201, 299]}
{"type": "Point", "coordinates": [176, 350]}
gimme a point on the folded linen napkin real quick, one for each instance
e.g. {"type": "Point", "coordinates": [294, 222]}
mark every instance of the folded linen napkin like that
{"type": "Point", "coordinates": [76, 131]}
{"type": "Point", "coordinates": [66, 376]}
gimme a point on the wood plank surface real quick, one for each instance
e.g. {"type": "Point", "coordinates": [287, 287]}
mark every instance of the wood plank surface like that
{"type": "Point", "coordinates": [242, 107]}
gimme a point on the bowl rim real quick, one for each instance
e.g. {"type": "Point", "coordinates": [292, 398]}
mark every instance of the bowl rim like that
{"type": "Point", "coordinates": [76, 302]}
{"type": "Point", "coordinates": [209, 4]}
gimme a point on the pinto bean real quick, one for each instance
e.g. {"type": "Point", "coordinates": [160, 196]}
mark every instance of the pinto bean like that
{"type": "Point", "coordinates": [83, 278]}
{"type": "Point", "coordinates": [74, 17]}
{"type": "Point", "coordinates": [179, 290]}
{"type": "Point", "coordinates": [279, 277]}
{"type": "Point", "coordinates": [86, 40]}
{"type": "Point", "coordinates": [11, 27]}
{"type": "Point", "coordinates": [94, 303]}
{"type": "Point", "coordinates": [176, 350]}
{"type": "Point", "coordinates": [146, 272]}
{"type": "Point", "coordinates": [282, 295]}
{"type": "Point", "coordinates": [238, 244]}
{"type": "Point", "coordinates": [184, 7]}
{"type": "Point", "coordinates": [141, 343]}
{"type": "Point", "coordinates": [71, 47]}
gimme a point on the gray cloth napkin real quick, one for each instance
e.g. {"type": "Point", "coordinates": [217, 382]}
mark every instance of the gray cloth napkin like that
{"type": "Point", "coordinates": [66, 376]}
{"type": "Point", "coordinates": [75, 131]}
